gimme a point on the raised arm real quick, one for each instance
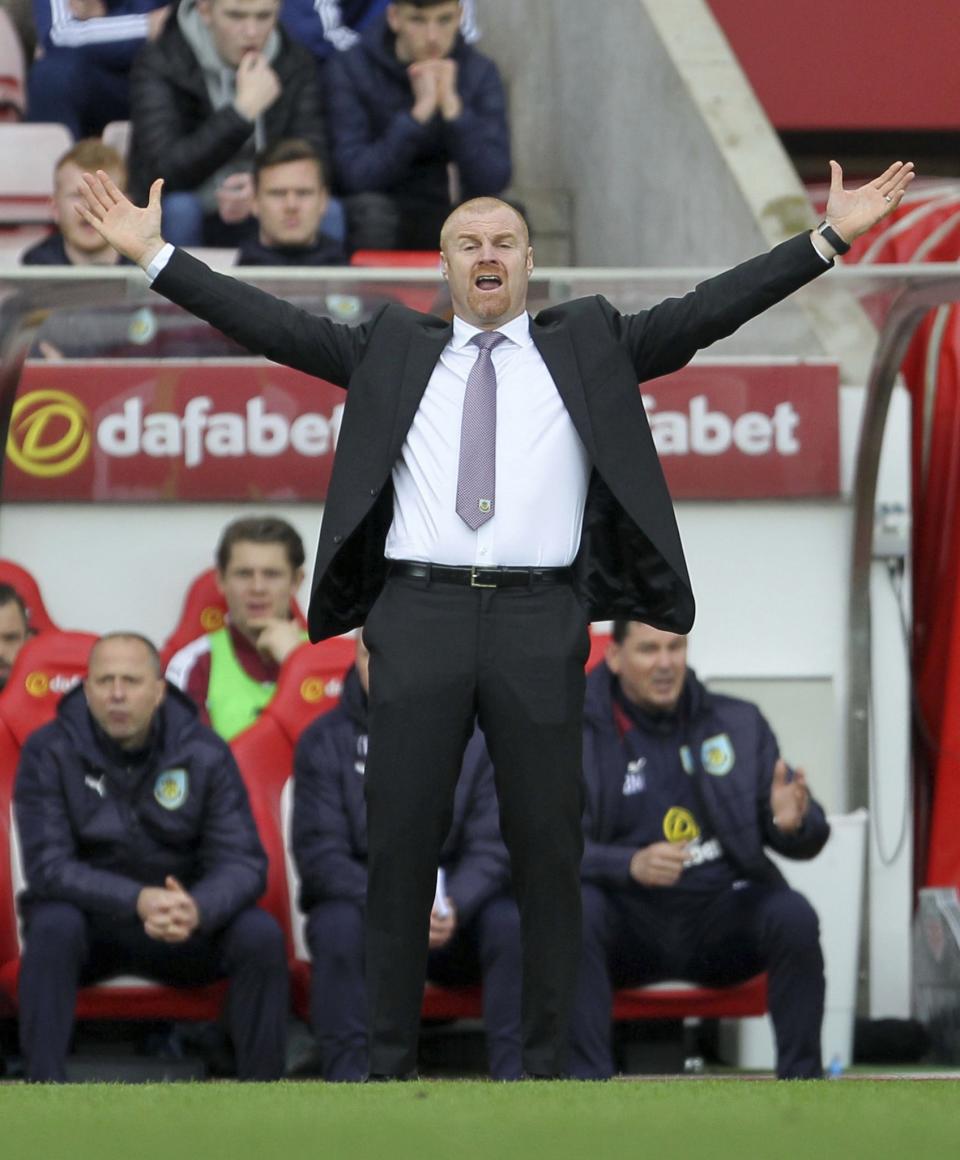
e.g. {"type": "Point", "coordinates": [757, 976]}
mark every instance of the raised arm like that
{"type": "Point", "coordinates": [664, 339]}
{"type": "Point", "coordinates": [264, 324]}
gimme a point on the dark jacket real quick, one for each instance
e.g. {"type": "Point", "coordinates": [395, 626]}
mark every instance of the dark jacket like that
{"type": "Point", "coordinates": [330, 815]}
{"type": "Point", "coordinates": [377, 145]}
{"type": "Point", "coordinates": [50, 251]}
{"type": "Point", "coordinates": [325, 251]}
{"type": "Point", "coordinates": [175, 133]}
{"type": "Point", "coordinates": [736, 804]}
{"type": "Point", "coordinates": [630, 562]}
{"type": "Point", "coordinates": [94, 832]}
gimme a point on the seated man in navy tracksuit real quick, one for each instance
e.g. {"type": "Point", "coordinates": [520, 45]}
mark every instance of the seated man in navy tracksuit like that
{"type": "Point", "coordinates": [141, 857]}
{"type": "Point", "coordinates": [475, 924]}
{"type": "Point", "coordinates": [684, 788]}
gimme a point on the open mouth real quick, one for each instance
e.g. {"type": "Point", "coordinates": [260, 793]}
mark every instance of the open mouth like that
{"type": "Point", "coordinates": [488, 282]}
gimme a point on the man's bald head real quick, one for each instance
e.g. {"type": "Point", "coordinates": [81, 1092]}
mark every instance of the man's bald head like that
{"type": "Point", "coordinates": [476, 206]}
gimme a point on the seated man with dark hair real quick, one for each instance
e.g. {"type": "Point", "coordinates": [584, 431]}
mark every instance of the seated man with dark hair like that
{"type": "Point", "coordinates": [684, 789]}
{"type": "Point", "coordinates": [141, 857]}
{"type": "Point", "coordinates": [406, 104]}
{"type": "Point", "coordinates": [231, 674]}
{"type": "Point", "coordinates": [75, 242]}
{"type": "Point", "coordinates": [14, 629]}
{"type": "Point", "coordinates": [474, 926]}
{"type": "Point", "coordinates": [290, 200]}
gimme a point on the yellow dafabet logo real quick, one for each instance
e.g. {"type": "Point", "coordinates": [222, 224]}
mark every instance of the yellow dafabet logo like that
{"type": "Point", "coordinates": [49, 433]}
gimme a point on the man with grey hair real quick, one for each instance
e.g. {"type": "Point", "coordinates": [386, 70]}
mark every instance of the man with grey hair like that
{"type": "Point", "coordinates": [141, 856]}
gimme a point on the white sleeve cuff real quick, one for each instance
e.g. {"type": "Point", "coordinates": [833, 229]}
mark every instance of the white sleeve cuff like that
{"type": "Point", "coordinates": [159, 262]}
{"type": "Point", "coordinates": [823, 257]}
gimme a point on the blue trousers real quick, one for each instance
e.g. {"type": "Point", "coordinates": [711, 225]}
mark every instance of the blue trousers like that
{"type": "Point", "coordinates": [487, 949]}
{"type": "Point", "coordinates": [71, 86]}
{"type": "Point", "coordinates": [632, 937]}
{"type": "Point", "coordinates": [67, 948]}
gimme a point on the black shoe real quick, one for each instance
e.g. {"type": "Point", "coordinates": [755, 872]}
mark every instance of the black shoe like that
{"type": "Point", "coordinates": [406, 1077]}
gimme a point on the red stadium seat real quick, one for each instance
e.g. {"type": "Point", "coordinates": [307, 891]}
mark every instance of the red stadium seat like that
{"type": "Point", "coordinates": [204, 609]}
{"type": "Point", "coordinates": [48, 666]}
{"type": "Point", "coordinates": [29, 592]}
{"type": "Point", "coordinates": [310, 683]}
{"type": "Point", "coordinates": [398, 259]}
{"type": "Point", "coordinates": [673, 1000]}
{"type": "Point", "coordinates": [418, 295]}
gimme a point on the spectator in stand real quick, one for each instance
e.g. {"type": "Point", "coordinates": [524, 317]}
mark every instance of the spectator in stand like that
{"type": "Point", "coordinates": [14, 629]}
{"type": "Point", "coordinates": [80, 73]}
{"type": "Point", "coordinates": [684, 789]}
{"type": "Point", "coordinates": [221, 83]}
{"type": "Point", "coordinates": [327, 26]}
{"type": "Point", "coordinates": [74, 242]}
{"type": "Point", "coordinates": [289, 202]}
{"type": "Point", "coordinates": [231, 674]}
{"type": "Point", "coordinates": [141, 856]}
{"type": "Point", "coordinates": [408, 102]}
{"type": "Point", "coordinates": [474, 925]}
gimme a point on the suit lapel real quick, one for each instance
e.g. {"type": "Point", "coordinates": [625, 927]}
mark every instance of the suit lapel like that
{"type": "Point", "coordinates": [423, 353]}
{"type": "Point", "coordinates": [556, 348]}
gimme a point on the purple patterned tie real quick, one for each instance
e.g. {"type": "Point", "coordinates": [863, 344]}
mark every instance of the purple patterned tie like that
{"type": "Point", "coordinates": [478, 436]}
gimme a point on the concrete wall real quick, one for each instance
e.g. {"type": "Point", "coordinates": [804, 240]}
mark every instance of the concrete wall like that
{"type": "Point", "coordinates": [639, 109]}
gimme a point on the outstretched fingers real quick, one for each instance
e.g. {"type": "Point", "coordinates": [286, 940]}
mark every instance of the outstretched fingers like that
{"type": "Point", "coordinates": [892, 183]}
{"type": "Point", "coordinates": [95, 194]}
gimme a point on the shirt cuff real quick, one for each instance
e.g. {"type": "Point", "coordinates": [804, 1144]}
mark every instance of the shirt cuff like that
{"type": "Point", "coordinates": [159, 263]}
{"type": "Point", "coordinates": [823, 258]}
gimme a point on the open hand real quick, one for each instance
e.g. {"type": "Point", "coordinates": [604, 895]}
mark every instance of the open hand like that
{"type": "Point", "coordinates": [852, 212]}
{"type": "Point", "coordinates": [132, 230]}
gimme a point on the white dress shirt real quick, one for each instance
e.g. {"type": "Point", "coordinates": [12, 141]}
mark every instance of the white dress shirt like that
{"type": "Point", "coordinates": [542, 465]}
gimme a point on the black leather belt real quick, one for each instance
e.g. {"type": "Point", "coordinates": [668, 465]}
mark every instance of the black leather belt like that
{"type": "Point", "coordinates": [480, 577]}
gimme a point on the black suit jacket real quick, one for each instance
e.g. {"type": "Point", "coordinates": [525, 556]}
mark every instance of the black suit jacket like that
{"type": "Point", "coordinates": [630, 562]}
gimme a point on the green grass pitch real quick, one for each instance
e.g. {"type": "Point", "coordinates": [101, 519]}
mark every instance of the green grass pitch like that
{"type": "Point", "coordinates": [469, 1120]}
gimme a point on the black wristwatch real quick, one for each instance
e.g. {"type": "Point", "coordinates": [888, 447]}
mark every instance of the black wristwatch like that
{"type": "Point", "coordinates": [829, 234]}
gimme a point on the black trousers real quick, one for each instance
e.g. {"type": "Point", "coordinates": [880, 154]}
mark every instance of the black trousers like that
{"type": "Point", "coordinates": [486, 950]}
{"type": "Point", "coordinates": [442, 657]}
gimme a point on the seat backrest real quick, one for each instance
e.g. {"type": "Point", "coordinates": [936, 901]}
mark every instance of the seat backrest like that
{"type": "Point", "coordinates": [28, 154]}
{"type": "Point", "coordinates": [598, 647]}
{"type": "Point", "coordinates": [397, 259]}
{"type": "Point", "coordinates": [9, 928]}
{"type": "Point", "coordinates": [29, 591]}
{"type": "Point", "coordinates": [310, 683]}
{"type": "Point", "coordinates": [47, 666]}
{"type": "Point", "coordinates": [116, 134]}
{"type": "Point", "coordinates": [204, 609]}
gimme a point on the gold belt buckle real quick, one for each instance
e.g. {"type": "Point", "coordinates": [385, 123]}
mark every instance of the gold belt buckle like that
{"type": "Point", "coordinates": [474, 582]}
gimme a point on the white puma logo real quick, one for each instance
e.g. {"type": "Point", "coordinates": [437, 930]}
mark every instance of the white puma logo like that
{"type": "Point", "coordinates": [97, 783]}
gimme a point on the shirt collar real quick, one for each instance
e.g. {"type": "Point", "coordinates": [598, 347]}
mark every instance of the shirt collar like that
{"type": "Point", "coordinates": [517, 330]}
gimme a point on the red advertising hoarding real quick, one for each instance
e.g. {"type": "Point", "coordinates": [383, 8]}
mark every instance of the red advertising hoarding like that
{"type": "Point", "coordinates": [250, 431]}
